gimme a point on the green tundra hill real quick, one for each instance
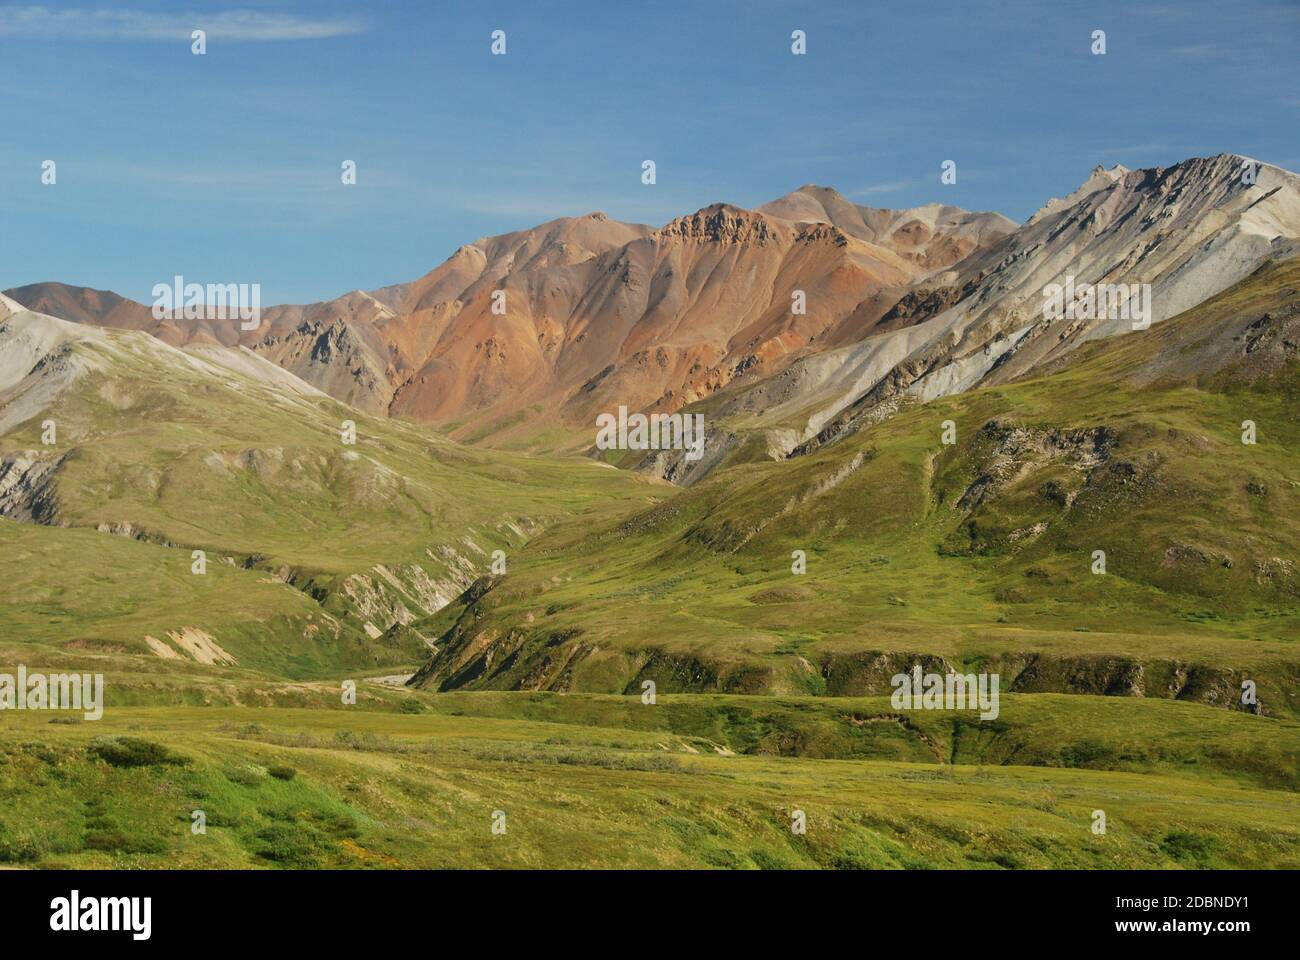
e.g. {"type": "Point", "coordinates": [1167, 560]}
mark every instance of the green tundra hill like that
{"type": "Point", "coordinates": [981, 553]}
{"type": "Point", "coordinates": [319, 553]}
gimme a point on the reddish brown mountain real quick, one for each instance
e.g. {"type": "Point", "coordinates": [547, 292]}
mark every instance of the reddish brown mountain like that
{"type": "Point", "coordinates": [579, 315]}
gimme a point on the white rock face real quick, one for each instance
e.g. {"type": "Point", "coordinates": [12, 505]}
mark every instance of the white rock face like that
{"type": "Point", "coordinates": [8, 306]}
{"type": "Point", "coordinates": [42, 356]}
{"type": "Point", "coordinates": [37, 362]}
{"type": "Point", "coordinates": [1190, 231]}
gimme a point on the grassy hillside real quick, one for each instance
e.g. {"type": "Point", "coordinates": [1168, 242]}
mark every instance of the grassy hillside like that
{"type": "Point", "coordinates": [980, 552]}
{"type": "Point", "coordinates": [316, 548]}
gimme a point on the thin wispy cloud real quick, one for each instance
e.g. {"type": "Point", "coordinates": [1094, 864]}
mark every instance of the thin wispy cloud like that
{"type": "Point", "coordinates": [232, 25]}
{"type": "Point", "coordinates": [928, 184]}
{"type": "Point", "coordinates": [892, 186]}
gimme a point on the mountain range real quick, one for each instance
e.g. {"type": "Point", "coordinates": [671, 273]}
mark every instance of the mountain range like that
{"type": "Point", "coordinates": [358, 579]}
{"type": "Point", "coordinates": [199, 436]}
{"type": "Point", "coordinates": [599, 313]}
{"type": "Point", "coordinates": [595, 310]}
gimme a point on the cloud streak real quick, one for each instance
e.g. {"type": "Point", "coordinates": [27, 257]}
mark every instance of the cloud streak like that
{"type": "Point", "coordinates": [232, 25]}
{"type": "Point", "coordinates": [891, 187]}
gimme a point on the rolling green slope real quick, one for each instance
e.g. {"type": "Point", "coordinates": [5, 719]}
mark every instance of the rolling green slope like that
{"type": "Point", "coordinates": [979, 552]}
{"type": "Point", "coordinates": [319, 553]}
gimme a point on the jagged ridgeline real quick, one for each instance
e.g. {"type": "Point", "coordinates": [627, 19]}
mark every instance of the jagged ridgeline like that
{"type": "Point", "coordinates": [783, 325]}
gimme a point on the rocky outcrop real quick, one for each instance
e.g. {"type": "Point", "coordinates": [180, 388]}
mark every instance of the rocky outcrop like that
{"type": "Point", "coordinates": [719, 223]}
{"type": "Point", "coordinates": [27, 487]}
{"type": "Point", "coordinates": [474, 656]}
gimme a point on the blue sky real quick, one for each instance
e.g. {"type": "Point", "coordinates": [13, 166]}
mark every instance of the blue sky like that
{"type": "Point", "coordinates": [225, 167]}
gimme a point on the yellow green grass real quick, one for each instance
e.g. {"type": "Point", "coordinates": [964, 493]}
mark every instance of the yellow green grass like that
{"type": "Point", "coordinates": [591, 787]}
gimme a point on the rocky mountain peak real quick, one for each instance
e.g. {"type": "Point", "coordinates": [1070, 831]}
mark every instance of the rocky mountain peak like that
{"type": "Point", "coordinates": [720, 223]}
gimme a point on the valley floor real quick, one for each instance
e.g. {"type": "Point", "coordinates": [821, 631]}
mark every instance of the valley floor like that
{"type": "Point", "coordinates": [416, 780]}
